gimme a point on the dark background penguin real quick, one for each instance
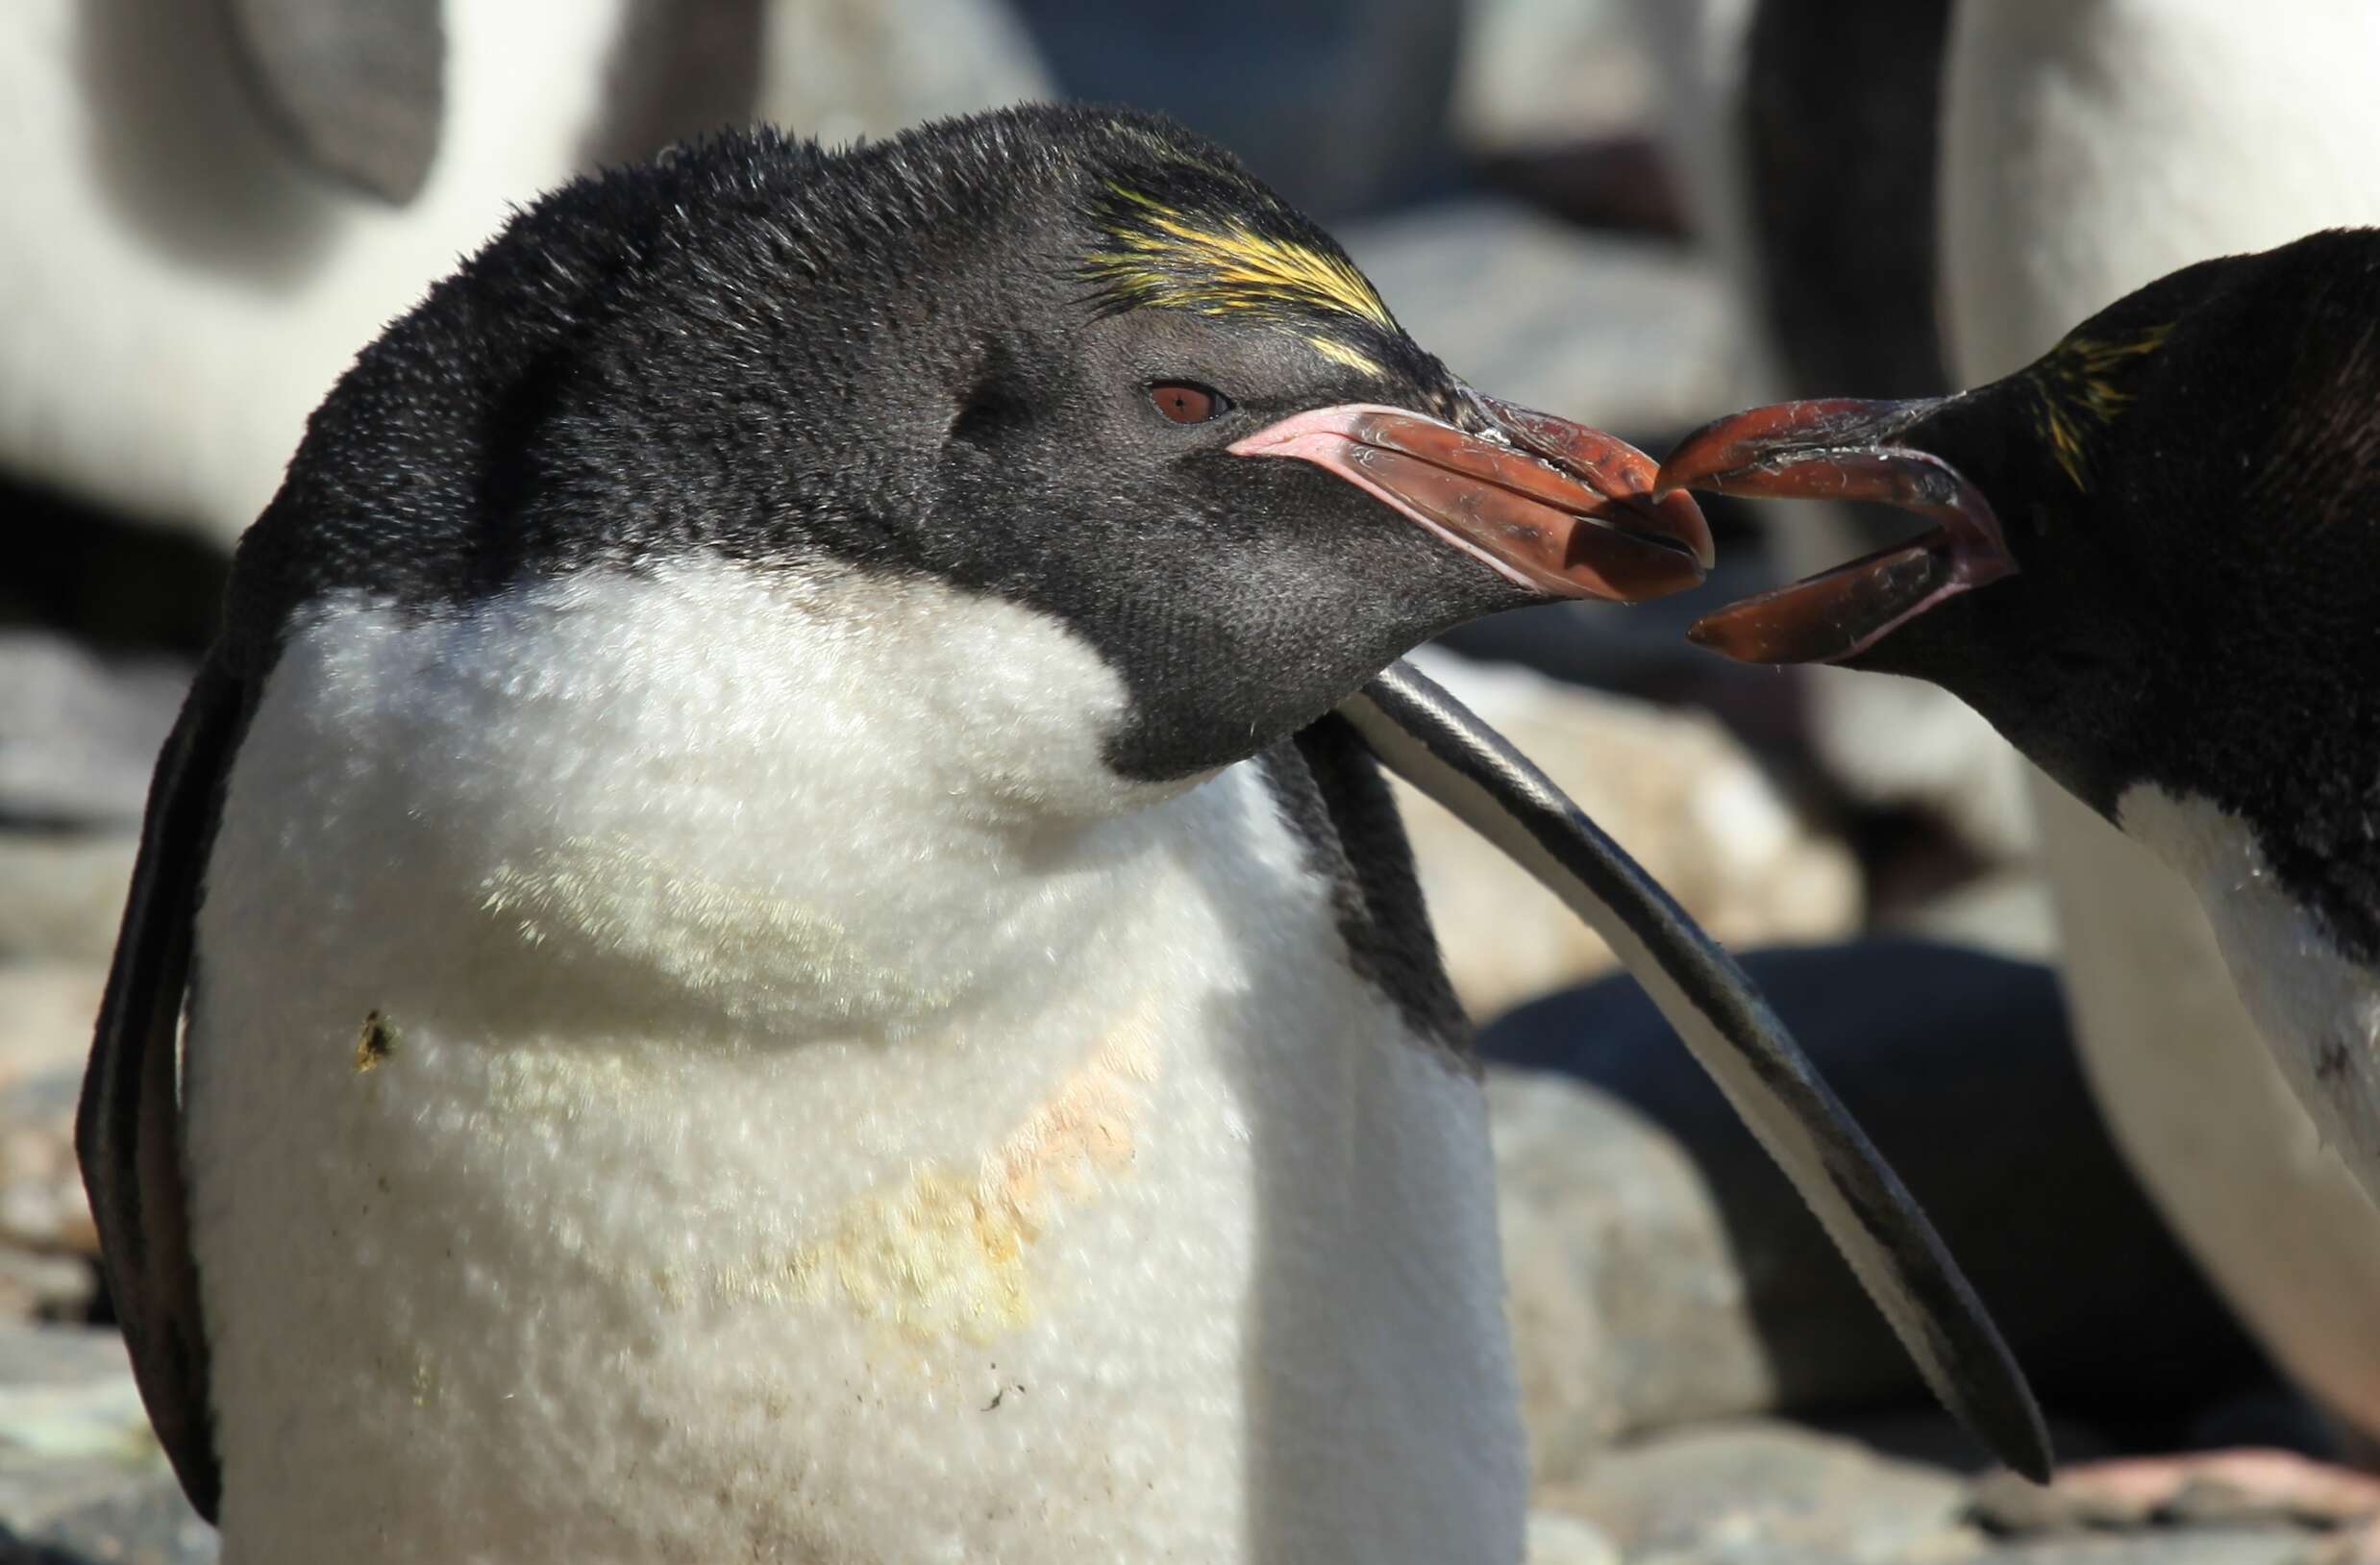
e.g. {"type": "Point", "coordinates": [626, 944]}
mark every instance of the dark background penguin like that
{"type": "Point", "coordinates": [2085, 149]}
{"type": "Point", "coordinates": [2153, 569]}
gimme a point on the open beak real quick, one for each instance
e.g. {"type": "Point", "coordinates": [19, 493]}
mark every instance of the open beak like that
{"type": "Point", "coordinates": [1561, 508]}
{"type": "Point", "coordinates": [1841, 450]}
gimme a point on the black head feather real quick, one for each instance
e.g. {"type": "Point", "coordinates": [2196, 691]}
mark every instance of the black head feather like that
{"type": "Point", "coordinates": [931, 355]}
{"type": "Point", "coordinates": [2190, 483]}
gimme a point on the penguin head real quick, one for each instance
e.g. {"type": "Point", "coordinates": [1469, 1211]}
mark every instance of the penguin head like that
{"type": "Point", "coordinates": [2156, 550]}
{"type": "Point", "coordinates": [1078, 360]}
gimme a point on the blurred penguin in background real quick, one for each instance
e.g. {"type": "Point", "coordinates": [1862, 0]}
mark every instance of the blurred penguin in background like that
{"type": "Point", "coordinates": [2006, 168]}
{"type": "Point", "coordinates": [2089, 147]}
{"type": "Point", "coordinates": [1804, 132]}
{"type": "Point", "coordinates": [215, 205]}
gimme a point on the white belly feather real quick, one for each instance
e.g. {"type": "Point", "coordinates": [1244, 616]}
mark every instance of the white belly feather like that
{"type": "Point", "coordinates": [687, 1067]}
{"type": "Point", "coordinates": [2318, 1011]}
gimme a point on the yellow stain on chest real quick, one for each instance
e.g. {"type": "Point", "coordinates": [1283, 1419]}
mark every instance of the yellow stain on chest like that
{"type": "Point", "coordinates": [946, 1252]}
{"type": "Point", "coordinates": [949, 1252]}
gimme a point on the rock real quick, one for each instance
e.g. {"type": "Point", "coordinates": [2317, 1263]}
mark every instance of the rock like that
{"type": "Point", "coordinates": [2175, 1545]}
{"type": "Point", "coordinates": [1673, 788]}
{"type": "Point", "coordinates": [46, 1011]}
{"type": "Point", "coordinates": [1535, 73]}
{"type": "Point", "coordinates": [1627, 1310]}
{"type": "Point", "coordinates": [49, 1287]}
{"type": "Point", "coordinates": [2005, 911]}
{"type": "Point", "coordinates": [143, 1523]}
{"type": "Point", "coordinates": [65, 892]}
{"type": "Point", "coordinates": [1557, 1539]}
{"type": "Point", "coordinates": [1772, 1494]}
{"type": "Point", "coordinates": [79, 737]}
{"type": "Point", "coordinates": [1662, 1270]}
{"type": "Point", "coordinates": [1889, 741]}
{"type": "Point", "coordinates": [1758, 1493]}
{"type": "Point", "coordinates": [80, 1470]}
{"type": "Point", "coordinates": [1634, 335]}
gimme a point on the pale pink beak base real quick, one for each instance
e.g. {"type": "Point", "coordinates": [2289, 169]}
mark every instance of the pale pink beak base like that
{"type": "Point", "coordinates": [1560, 508]}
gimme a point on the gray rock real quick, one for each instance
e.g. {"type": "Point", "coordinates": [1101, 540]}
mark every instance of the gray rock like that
{"type": "Point", "coordinates": [46, 1285]}
{"type": "Point", "coordinates": [1557, 1539]}
{"type": "Point", "coordinates": [2175, 1545]}
{"type": "Point", "coordinates": [142, 1521]}
{"type": "Point", "coordinates": [78, 736]}
{"type": "Point", "coordinates": [80, 1471]}
{"type": "Point", "coordinates": [1772, 1494]}
{"type": "Point", "coordinates": [46, 1011]}
{"type": "Point", "coordinates": [1538, 72]}
{"type": "Point", "coordinates": [1634, 335]}
{"type": "Point", "coordinates": [65, 892]}
{"type": "Point", "coordinates": [1902, 743]}
{"type": "Point", "coordinates": [1627, 1308]}
{"type": "Point", "coordinates": [1757, 1493]}
{"type": "Point", "coordinates": [1674, 788]}
{"type": "Point", "coordinates": [1981, 1107]}
{"type": "Point", "coordinates": [2005, 911]}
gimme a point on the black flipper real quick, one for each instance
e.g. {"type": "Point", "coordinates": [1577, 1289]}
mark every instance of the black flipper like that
{"type": "Point", "coordinates": [128, 1132]}
{"type": "Point", "coordinates": [1431, 740]}
{"type": "Point", "coordinates": [356, 87]}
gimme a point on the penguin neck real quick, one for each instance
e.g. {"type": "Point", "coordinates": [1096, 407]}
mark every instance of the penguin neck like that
{"type": "Point", "coordinates": [707, 797]}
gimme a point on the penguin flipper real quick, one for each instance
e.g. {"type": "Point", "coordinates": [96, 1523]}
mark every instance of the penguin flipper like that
{"type": "Point", "coordinates": [1431, 740]}
{"type": "Point", "coordinates": [355, 87]}
{"type": "Point", "coordinates": [128, 1127]}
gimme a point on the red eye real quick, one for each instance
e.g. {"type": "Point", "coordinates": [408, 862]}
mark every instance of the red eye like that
{"type": "Point", "coordinates": [1186, 404]}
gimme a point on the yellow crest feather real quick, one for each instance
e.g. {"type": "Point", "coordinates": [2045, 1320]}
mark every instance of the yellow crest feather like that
{"type": "Point", "coordinates": [2080, 384]}
{"type": "Point", "coordinates": [1157, 253]}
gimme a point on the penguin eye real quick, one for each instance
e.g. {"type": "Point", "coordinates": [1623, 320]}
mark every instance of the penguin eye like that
{"type": "Point", "coordinates": [1185, 402]}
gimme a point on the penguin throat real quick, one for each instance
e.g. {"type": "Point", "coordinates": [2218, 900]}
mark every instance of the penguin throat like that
{"type": "Point", "coordinates": [713, 790]}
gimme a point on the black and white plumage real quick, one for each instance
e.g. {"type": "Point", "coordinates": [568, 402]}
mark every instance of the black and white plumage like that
{"type": "Point", "coordinates": [218, 203]}
{"type": "Point", "coordinates": [2154, 571]}
{"type": "Point", "coordinates": [2088, 149]}
{"type": "Point", "coordinates": [778, 929]}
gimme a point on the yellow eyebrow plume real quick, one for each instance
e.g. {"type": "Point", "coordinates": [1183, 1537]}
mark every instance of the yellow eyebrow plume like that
{"type": "Point", "coordinates": [1339, 352]}
{"type": "Point", "coordinates": [2081, 382]}
{"type": "Point", "coordinates": [1158, 255]}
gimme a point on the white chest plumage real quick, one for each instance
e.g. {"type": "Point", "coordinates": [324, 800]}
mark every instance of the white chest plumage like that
{"type": "Point", "coordinates": [2318, 1010]}
{"type": "Point", "coordinates": [697, 1066]}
